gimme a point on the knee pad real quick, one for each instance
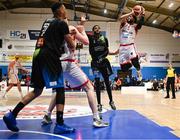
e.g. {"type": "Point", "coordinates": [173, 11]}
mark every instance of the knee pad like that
{"type": "Point", "coordinates": [135, 62]}
{"type": "Point", "coordinates": [126, 67]}
{"type": "Point", "coordinates": [60, 96]}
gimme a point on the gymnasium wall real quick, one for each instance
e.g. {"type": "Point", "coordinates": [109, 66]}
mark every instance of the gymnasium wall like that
{"type": "Point", "coordinates": [157, 47]}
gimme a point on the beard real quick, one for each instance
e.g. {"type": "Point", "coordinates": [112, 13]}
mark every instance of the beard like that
{"type": "Point", "coordinates": [130, 21]}
{"type": "Point", "coordinates": [96, 33]}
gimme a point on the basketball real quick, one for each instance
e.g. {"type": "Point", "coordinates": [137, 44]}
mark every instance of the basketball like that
{"type": "Point", "coordinates": [137, 10]}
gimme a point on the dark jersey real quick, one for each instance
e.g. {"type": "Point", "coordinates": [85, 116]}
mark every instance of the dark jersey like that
{"type": "Point", "coordinates": [50, 44]}
{"type": "Point", "coordinates": [52, 36]}
{"type": "Point", "coordinates": [98, 47]}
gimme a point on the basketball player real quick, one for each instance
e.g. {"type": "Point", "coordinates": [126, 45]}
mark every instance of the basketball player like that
{"type": "Point", "coordinates": [131, 23]}
{"type": "Point", "coordinates": [46, 68]}
{"type": "Point", "coordinates": [13, 75]}
{"type": "Point", "coordinates": [76, 77]}
{"type": "Point", "coordinates": [98, 48]}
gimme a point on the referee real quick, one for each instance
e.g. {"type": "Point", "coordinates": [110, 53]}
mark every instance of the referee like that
{"type": "Point", "coordinates": [170, 81]}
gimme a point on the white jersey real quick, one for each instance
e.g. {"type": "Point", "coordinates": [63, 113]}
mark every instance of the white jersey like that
{"type": "Point", "coordinates": [68, 54]}
{"type": "Point", "coordinates": [13, 69]}
{"type": "Point", "coordinates": [71, 71]}
{"type": "Point", "coordinates": [127, 34]}
{"type": "Point", "coordinates": [13, 72]}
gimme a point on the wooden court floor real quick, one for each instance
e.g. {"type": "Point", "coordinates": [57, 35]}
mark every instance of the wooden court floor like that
{"type": "Point", "coordinates": [151, 104]}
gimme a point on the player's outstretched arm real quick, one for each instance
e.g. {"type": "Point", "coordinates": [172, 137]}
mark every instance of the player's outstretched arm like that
{"type": "Point", "coordinates": [114, 53]}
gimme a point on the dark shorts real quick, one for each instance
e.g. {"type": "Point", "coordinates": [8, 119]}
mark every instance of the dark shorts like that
{"type": "Point", "coordinates": [134, 62]}
{"type": "Point", "coordinates": [37, 80]}
{"type": "Point", "coordinates": [104, 67]}
{"type": "Point", "coordinates": [42, 76]}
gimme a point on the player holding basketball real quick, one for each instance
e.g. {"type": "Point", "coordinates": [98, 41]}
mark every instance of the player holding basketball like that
{"type": "Point", "coordinates": [76, 77]}
{"type": "Point", "coordinates": [130, 24]}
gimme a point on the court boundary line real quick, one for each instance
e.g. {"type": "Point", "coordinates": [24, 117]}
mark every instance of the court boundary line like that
{"type": "Point", "coordinates": [37, 132]}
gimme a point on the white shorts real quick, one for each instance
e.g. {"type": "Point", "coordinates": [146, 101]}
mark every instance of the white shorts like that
{"type": "Point", "coordinates": [126, 53]}
{"type": "Point", "coordinates": [13, 79]}
{"type": "Point", "coordinates": [73, 74]}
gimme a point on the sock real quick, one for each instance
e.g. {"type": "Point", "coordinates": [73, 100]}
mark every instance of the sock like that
{"type": "Point", "coordinates": [17, 109]}
{"type": "Point", "coordinates": [4, 93]}
{"type": "Point", "coordinates": [49, 114]}
{"type": "Point", "coordinates": [59, 117]}
{"type": "Point", "coordinates": [96, 116]}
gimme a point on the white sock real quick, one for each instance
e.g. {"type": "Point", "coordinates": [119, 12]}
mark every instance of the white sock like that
{"type": "Point", "coordinates": [96, 116]}
{"type": "Point", "coordinates": [5, 92]}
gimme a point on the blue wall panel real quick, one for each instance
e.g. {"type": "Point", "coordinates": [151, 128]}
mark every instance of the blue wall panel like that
{"type": "Point", "coordinates": [148, 72]}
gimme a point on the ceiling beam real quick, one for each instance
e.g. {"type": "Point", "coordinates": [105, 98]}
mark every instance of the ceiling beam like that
{"type": "Point", "coordinates": [153, 13]}
{"type": "Point", "coordinates": [149, 17]}
{"type": "Point", "coordinates": [159, 27]}
{"type": "Point", "coordinates": [163, 20]}
{"type": "Point", "coordinates": [147, 7]}
{"type": "Point", "coordinates": [176, 26]}
{"type": "Point", "coordinates": [92, 10]}
{"type": "Point", "coordinates": [169, 17]}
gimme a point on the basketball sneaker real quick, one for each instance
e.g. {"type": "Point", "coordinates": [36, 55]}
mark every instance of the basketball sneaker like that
{"type": "Point", "coordinates": [10, 122]}
{"type": "Point", "coordinates": [46, 120]}
{"type": "Point", "coordinates": [63, 129]}
{"type": "Point", "coordinates": [139, 78]}
{"type": "Point", "coordinates": [99, 123]}
{"type": "Point", "coordinates": [112, 105]}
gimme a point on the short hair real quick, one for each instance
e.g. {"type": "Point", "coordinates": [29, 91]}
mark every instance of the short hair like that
{"type": "Point", "coordinates": [16, 56]}
{"type": "Point", "coordinates": [95, 26]}
{"type": "Point", "coordinates": [56, 6]}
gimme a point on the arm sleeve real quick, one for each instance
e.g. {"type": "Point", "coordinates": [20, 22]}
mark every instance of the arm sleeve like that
{"type": "Point", "coordinates": [140, 23]}
{"type": "Point", "coordinates": [107, 43]}
{"type": "Point", "coordinates": [90, 45]}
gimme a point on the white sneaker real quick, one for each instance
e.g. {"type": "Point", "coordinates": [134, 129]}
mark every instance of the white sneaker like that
{"type": "Point", "coordinates": [139, 78]}
{"type": "Point", "coordinates": [46, 120]}
{"type": "Point", "coordinates": [99, 123]}
{"type": "Point", "coordinates": [4, 97]}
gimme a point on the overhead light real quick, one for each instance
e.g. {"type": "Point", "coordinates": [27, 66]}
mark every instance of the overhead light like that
{"type": "Point", "coordinates": [154, 21]}
{"type": "Point", "coordinates": [171, 4]}
{"type": "Point", "coordinates": [105, 11]}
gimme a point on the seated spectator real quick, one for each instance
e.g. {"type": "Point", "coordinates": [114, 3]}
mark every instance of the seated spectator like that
{"type": "Point", "coordinates": [177, 84]}
{"type": "Point", "coordinates": [118, 84]}
{"type": "Point", "coordinates": [155, 85]}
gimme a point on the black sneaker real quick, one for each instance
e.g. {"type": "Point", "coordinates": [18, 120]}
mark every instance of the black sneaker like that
{"type": "Point", "coordinates": [112, 105]}
{"type": "Point", "coordinates": [166, 97]}
{"type": "Point", "coordinates": [99, 107]}
{"type": "Point", "coordinates": [173, 98]}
